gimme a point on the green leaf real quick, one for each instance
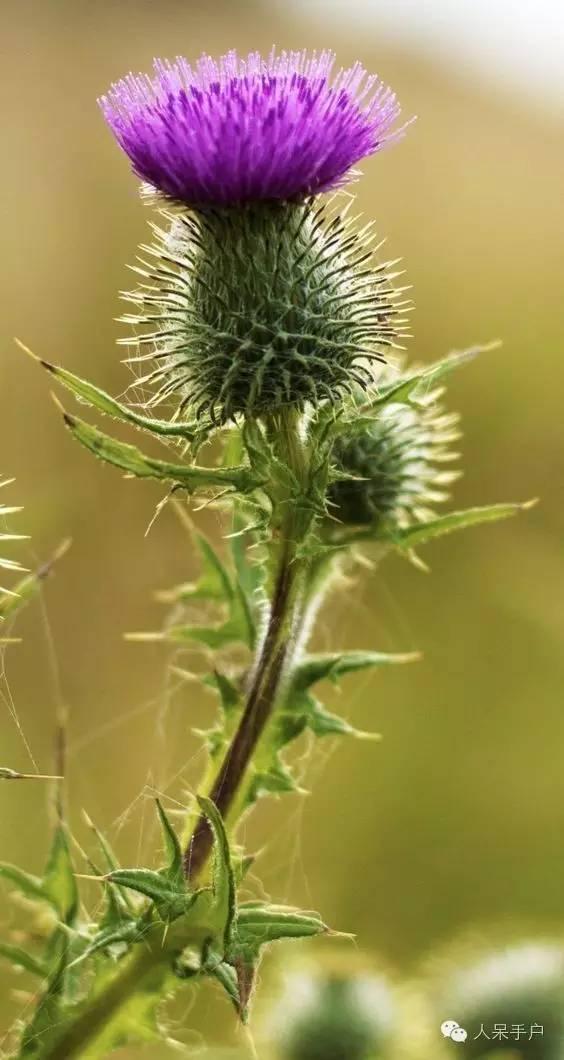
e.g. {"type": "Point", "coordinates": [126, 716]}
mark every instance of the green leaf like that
{"type": "Point", "coordinates": [130, 459]}
{"type": "Point", "coordinates": [223, 878]}
{"type": "Point", "coordinates": [259, 924]}
{"type": "Point", "coordinates": [333, 665]}
{"type": "Point", "coordinates": [228, 692]}
{"type": "Point", "coordinates": [104, 403]}
{"type": "Point", "coordinates": [215, 581]}
{"type": "Point", "coordinates": [421, 533]}
{"type": "Point", "coordinates": [227, 977]}
{"type": "Point", "coordinates": [170, 900]}
{"type": "Point", "coordinates": [174, 871]}
{"type": "Point", "coordinates": [275, 779]}
{"type": "Point", "coordinates": [23, 959]}
{"type": "Point", "coordinates": [30, 886]}
{"type": "Point", "coordinates": [59, 882]}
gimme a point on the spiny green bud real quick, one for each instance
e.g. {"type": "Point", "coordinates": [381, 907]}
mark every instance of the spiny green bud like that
{"type": "Point", "coordinates": [394, 461]}
{"type": "Point", "coordinates": [334, 1014]}
{"type": "Point", "coordinates": [257, 308]}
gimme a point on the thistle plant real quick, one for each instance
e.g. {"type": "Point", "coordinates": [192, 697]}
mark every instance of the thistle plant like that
{"type": "Point", "coordinates": [265, 322]}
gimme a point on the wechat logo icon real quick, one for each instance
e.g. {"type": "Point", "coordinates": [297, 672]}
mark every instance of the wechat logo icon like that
{"type": "Point", "coordinates": [451, 1029]}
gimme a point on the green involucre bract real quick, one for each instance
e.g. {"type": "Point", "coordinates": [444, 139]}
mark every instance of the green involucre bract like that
{"type": "Point", "coordinates": [254, 309]}
{"type": "Point", "coordinates": [395, 461]}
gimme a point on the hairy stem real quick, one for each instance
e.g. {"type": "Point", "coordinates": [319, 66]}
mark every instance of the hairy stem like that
{"type": "Point", "coordinates": [268, 675]}
{"type": "Point", "coordinates": [137, 974]}
{"type": "Point", "coordinates": [276, 649]}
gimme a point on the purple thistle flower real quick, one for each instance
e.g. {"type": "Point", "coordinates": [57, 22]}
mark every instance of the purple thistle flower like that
{"type": "Point", "coordinates": [246, 130]}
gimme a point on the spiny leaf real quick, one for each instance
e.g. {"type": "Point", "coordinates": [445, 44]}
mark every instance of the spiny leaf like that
{"type": "Point", "coordinates": [421, 533]}
{"type": "Point", "coordinates": [124, 900]}
{"type": "Point", "coordinates": [228, 692]}
{"type": "Point", "coordinates": [21, 958]}
{"type": "Point", "coordinates": [412, 385]}
{"type": "Point", "coordinates": [215, 581]}
{"type": "Point", "coordinates": [130, 459]}
{"type": "Point", "coordinates": [103, 402]}
{"type": "Point", "coordinates": [129, 933]}
{"type": "Point", "coordinates": [333, 665]}
{"type": "Point", "coordinates": [173, 871]}
{"type": "Point", "coordinates": [258, 924]}
{"type": "Point", "coordinates": [170, 900]}
{"type": "Point", "coordinates": [223, 876]}
{"type": "Point", "coordinates": [227, 977]}
{"type": "Point", "coordinates": [274, 779]}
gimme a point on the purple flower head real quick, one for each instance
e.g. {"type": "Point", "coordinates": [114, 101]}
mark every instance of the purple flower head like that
{"type": "Point", "coordinates": [247, 130]}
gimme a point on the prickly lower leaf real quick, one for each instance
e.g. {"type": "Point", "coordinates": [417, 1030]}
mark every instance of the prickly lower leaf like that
{"type": "Point", "coordinates": [170, 899]}
{"type": "Point", "coordinates": [413, 536]}
{"type": "Point", "coordinates": [132, 460]}
{"type": "Point", "coordinates": [274, 778]}
{"type": "Point", "coordinates": [214, 582]}
{"type": "Point", "coordinates": [223, 878]}
{"type": "Point", "coordinates": [173, 871]}
{"type": "Point", "coordinates": [104, 403]}
{"type": "Point", "coordinates": [258, 924]}
{"type": "Point", "coordinates": [228, 692]}
{"type": "Point", "coordinates": [333, 665]}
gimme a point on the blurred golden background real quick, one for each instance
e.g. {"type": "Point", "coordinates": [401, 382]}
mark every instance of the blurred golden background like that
{"type": "Point", "coordinates": [457, 816]}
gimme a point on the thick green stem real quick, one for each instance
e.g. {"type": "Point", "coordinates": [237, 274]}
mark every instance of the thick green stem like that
{"type": "Point", "coordinates": [139, 971]}
{"type": "Point", "coordinates": [274, 653]}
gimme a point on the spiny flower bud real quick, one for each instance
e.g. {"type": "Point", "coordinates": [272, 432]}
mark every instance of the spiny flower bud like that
{"type": "Point", "coordinates": [266, 306]}
{"type": "Point", "coordinates": [395, 463]}
{"type": "Point", "coordinates": [334, 1014]}
{"type": "Point", "coordinates": [249, 130]}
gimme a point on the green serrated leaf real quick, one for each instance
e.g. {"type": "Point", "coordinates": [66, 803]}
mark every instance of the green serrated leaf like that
{"type": "Point", "coordinates": [228, 692]}
{"type": "Point", "coordinates": [21, 958]}
{"type": "Point", "coordinates": [174, 871]}
{"type": "Point", "coordinates": [223, 878]}
{"type": "Point", "coordinates": [333, 665]}
{"type": "Point", "coordinates": [421, 533]}
{"type": "Point", "coordinates": [130, 459]}
{"type": "Point", "coordinates": [170, 900]}
{"type": "Point", "coordinates": [275, 779]}
{"type": "Point", "coordinates": [259, 924]}
{"type": "Point", "coordinates": [103, 402]}
{"type": "Point", "coordinates": [215, 581]}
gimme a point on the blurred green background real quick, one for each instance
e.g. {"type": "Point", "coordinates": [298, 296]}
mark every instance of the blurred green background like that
{"type": "Point", "coordinates": [457, 816]}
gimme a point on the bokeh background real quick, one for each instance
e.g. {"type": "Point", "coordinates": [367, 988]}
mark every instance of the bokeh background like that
{"type": "Point", "coordinates": [457, 817]}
